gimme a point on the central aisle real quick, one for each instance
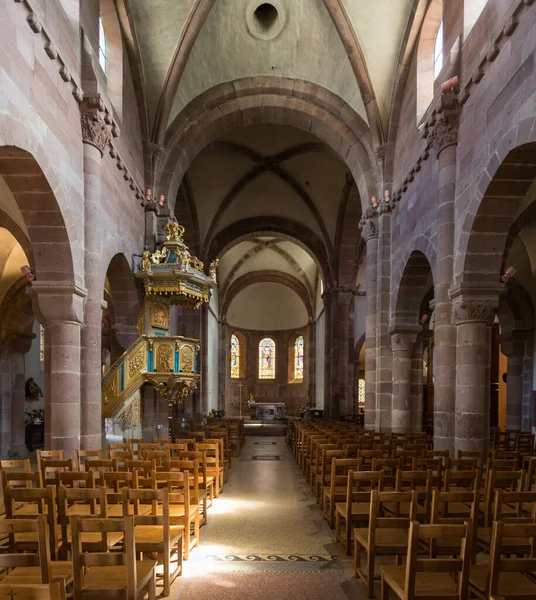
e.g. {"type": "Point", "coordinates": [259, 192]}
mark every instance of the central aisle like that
{"type": "Point", "coordinates": [265, 538]}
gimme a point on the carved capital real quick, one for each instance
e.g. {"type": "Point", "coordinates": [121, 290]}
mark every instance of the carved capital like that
{"type": "Point", "coordinates": [475, 310]}
{"type": "Point", "coordinates": [94, 130]}
{"type": "Point", "coordinates": [387, 204]}
{"type": "Point", "coordinates": [336, 290]}
{"type": "Point", "coordinates": [369, 224]}
{"type": "Point", "coordinates": [403, 341]}
{"type": "Point", "coordinates": [442, 132]}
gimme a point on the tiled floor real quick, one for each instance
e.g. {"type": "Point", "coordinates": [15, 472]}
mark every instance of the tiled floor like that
{"type": "Point", "coordinates": [266, 538]}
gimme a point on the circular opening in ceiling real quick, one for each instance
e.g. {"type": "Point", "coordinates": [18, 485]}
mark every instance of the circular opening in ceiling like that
{"type": "Point", "coordinates": [265, 20]}
{"type": "Point", "coordinates": [265, 16]}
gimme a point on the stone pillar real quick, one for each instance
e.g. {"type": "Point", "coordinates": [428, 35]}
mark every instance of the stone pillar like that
{"type": "Point", "coordinates": [384, 355]}
{"type": "Point", "coordinates": [224, 352]}
{"type": "Point", "coordinates": [513, 346]}
{"type": "Point", "coordinates": [95, 136]}
{"type": "Point", "coordinates": [417, 384]}
{"type": "Point", "coordinates": [328, 335]}
{"type": "Point", "coordinates": [474, 312]}
{"type": "Point", "coordinates": [442, 135]}
{"type": "Point", "coordinates": [402, 344]}
{"type": "Point", "coordinates": [369, 232]}
{"type": "Point", "coordinates": [310, 363]}
{"type": "Point", "coordinates": [528, 378]}
{"type": "Point", "coordinates": [59, 308]}
{"type": "Point", "coordinates": [18, 346]}
{"type": "Point", "coordinates": [204, 358]}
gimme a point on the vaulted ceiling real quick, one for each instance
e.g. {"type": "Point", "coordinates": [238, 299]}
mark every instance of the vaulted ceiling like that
{"type": "Point", "coordinates": [352, 48]}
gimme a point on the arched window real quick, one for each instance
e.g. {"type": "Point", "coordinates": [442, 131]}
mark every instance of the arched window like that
{"type": "Point", "coordinates": [430, 53]}
{"type": "Point", "coordinates": [438, 51]}
{"type": "Point", "coordinates": [298, 358]}
{"type": "Point", "coordinates": [235, 357]}
{"type": "Point", "coordinates": [103, 52]}
{"type": "Point", "coordinates": [361, 393]}
{"type": "Point", "coordinates": [267, 359]}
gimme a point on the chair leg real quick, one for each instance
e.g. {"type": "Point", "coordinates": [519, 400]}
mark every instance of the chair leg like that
{"type": "Point", "coordinates": [384, 594]}
{"type": "Point", "coordinates": [370, 575]}
{"type": "Point", "coordinates": [167, 576]}
{"type": "Point", "coordinates": [152, 586]}
{"type": "Point", "coordinates": [187, 540]}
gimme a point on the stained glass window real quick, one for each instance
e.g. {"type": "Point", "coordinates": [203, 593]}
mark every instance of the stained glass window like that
{"type": "Point", "coordinates": [267, 359]}
{"type": "Point", "coordinates": [235, 357]}
{"type": "Point", "coordinates": [103, 54]}
{"type": "Point", "coordinates": [41, 344]}
{"type": "Point", "coordinates": [361, 393]}
{"type": "Point", "coordinates": [298, 358]}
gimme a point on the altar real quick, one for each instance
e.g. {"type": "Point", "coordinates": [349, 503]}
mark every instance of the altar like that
{"type": "Point", "coordinates": [267, 411]}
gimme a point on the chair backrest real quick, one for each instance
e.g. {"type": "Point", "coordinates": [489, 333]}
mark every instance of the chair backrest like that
{"type": "Point", "coordinates": [51, 466]}
{"type": "Point", "coordinates": [387, 510]}
{"type": "Point", "coordinates": [390, 467]}
{"type": "Point", "coordinates": [143, 448]}
{"type": "Point", "coordinates": [459, 566]}
{"type": "Point", "coordinates": [80, 457]}
{"type": "Point", "coordinates": [460, 479]}
{"type": "Point", "coordinates": [22, 479]}
{"type": "Point", "coordinates": [144, 467]}
{"type": "Point", "coordinates": [499, 563]}
{"type": "Point", "coordinates": [16, 464]}
{"type": "Point", "coordinates": [52, 454]}
{"type": "Point", "coordinates": [15, 559]}
{"type": "Point", "coordinates": [514, 507]}
{"type": "Point", "coordinates": [76, 479]}
{"type": "Point", "coordinates": [158, 456]}
{"type": "Point", "coordinates": [73, 502]}
{"type": "Point", "coordinates": [431, 464]}
{"type": "Point", "coordinates": [192, 467]}
{"type": "Point", "coordinates": [361, 484]}
{"type": "Point", "coordinates": [103, 464]}
{"type": "Point", "coordinates": [340, 468]}
{"type": "Point", "coordinates": [451, 508]}
{"type": "Point", "coordinates": [83, 560]}
{"type": "Point", "coordinates": [115, 482]}
{"type": "Point", "coordinates": [44, 501]}
{"type": "Point", "coordinates": [524, 443]}
{"type": "Point", "coordinates": [131, 506]}
{"type": "Point", "coordinates": [55, 590]}
{"type": "Point", "coordinates": [175, 450]}
{"type": "Point", "coordinates": [507, 480]}
{"type": "Point", "coordinates": [118, 446]}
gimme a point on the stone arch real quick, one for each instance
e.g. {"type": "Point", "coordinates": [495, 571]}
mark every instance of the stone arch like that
{"type": "Point", "coordinates": [18, 233]}
{"type": "Point", "coordinates": [411, 291]}
{"type": "Point", "coordinates": [348, 243]}
{"type": "Point", "coordinates": [492, 209]}
{"type": "Point", "coordinates": [126, 300]}
{"type": "Point", "coordinates": [516, 310]}
{"type": "Point", "coordinates": [269, 100]}
{"type": "Point", "coordinates": [267, 276]}
{"type": "Point", "coordinates": [48, 232]}
{"type": "Point", "coordinates": [286, 229]}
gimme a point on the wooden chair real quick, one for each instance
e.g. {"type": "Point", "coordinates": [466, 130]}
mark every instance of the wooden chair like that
{"type": "Point", "coordinates": [212, 452]}
{"type": "Point", "coordinates": [154, 532]}
{"type": "Point", "coordinates": [110, 574]}
{"type": "Point", "coordinates": [76, 479]}
{"type": "Point", "coordinates": [88, 503]}
{"type": "Point", "coordinates": [121, 456]}
{"type": "Point", "coordinates": [338, 484]}
{"type": "Point", "coordinates": [143, 467]}
{"type": "Point", "coordinates": [390, 467]}
{"type": "Point", "coordinates": [206, 481]}
{"type": "Point", "coordinates": [117, 446]}
{"type": "Point", "coordinates": [55, 590]}
{"type": "Point", "coordinates": [21, 479]}
{"type": "Point", "coordinates": [356, 509]}
{"type": "Point", "coordinates": [80, 457]}
{"type": "Point", "coordinates": [40, 501]}
{"type": "Point", "coordinates": [175, 450]}
{"type": "Point", "coordinates": [142, 448]}
{"type": "Point", "coordinates": [324, 471]}
{"type": "Point", "coordinates": [385, 534]}
{"type": "Point", "coordinates": [421, 482]}
{"type": "Point", "coordinates": [429, 578]}
{"type": "Point", "coordinates": [435, 465]}
{"type": "Point", "coordinates": [507, 480]}
{"type": "Point", "coordinates": [99, 465]}
{"type": "Point", "coordinates": [159, 457]}
{"type": "Point", "coordinates": [113, 484]}
{"type": "Point", "coordinates": [197, 497]}
{"type": "Point", "coordinates": [16, 464]}
{"type": "Point", "coordinates": [511, 578]}
{"type": "Point", "coordinates": [460, 480]}
{"type": "Point", "coordinates": [50, 467]}
{"type": "Point", "coordinates": [524, 443]}
{"type": "Point", "coordinates": [453, 508]}
{"type": "Point", "coordinates": [51, 454]}
{"type": "Point", "coordinates": [182, 512]}
{"type": "Point", "coordinates": [510, 507]}
{"type": "Point", "coordinates": [31, 568]}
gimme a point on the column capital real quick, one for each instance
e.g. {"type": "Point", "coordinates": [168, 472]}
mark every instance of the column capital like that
{"type": "Point", "coordinates": [369, 224]}
{"type": "Point", "coordinates": [387, 204]}
{"type": "Point", "coordinates": [343, 292]}
{"type": "Point", "coordinates": [441, 130]}
{"type": "Point", "coordinates": [95, 130]}
{"type": "Point", "coordinates": [403, 341]}
{"type": "Point", "coordinates": [57, 302]}
{"type": "Point", "coordinates": [19, 343]}
{"type": "Point", "coordinates": [476, 304]}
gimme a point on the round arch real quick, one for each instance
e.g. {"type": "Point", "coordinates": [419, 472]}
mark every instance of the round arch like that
{"type": "Point", "coordinates": [269, 100]}
{"type": "Point", "coordinates": [492, 209]}
{"type": "Point", "coordinates": [411, 291]}
{"type": "Point", "coordinates": [41, 208]}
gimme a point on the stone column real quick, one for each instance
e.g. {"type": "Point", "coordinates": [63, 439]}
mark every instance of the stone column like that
{"type": "Point", "coordinates": [384, 355]}
{"type": "Point", "coordinates": [513, 346]}
{"type": "Point", "coordinates": [402, 344]}
{"type": "Point", "coordinates": [224, 352]}
{"type": "Point", "coordinates": [204, 358]}
{"type": "Point", "coordinates": [95, 136]}
{"type": "Point", "coordinates": [369, 232]}
{"type": "Point", "coordinates": [417, 384]}
{"type": "Point", "coordinates": [442, 135]}
{"type": "Point", "coordinates": [59, 308]}
{"type": "Point", "coordinates": [310, 363]}
{"type": "Point", "coordinates": [19, 345]}
{"type": "Point", "coordinates": [474, 312]}
{"type": "Point", "coordinates": [328, 351]}
{"type": "Point", "coordinates": [528, 378]}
